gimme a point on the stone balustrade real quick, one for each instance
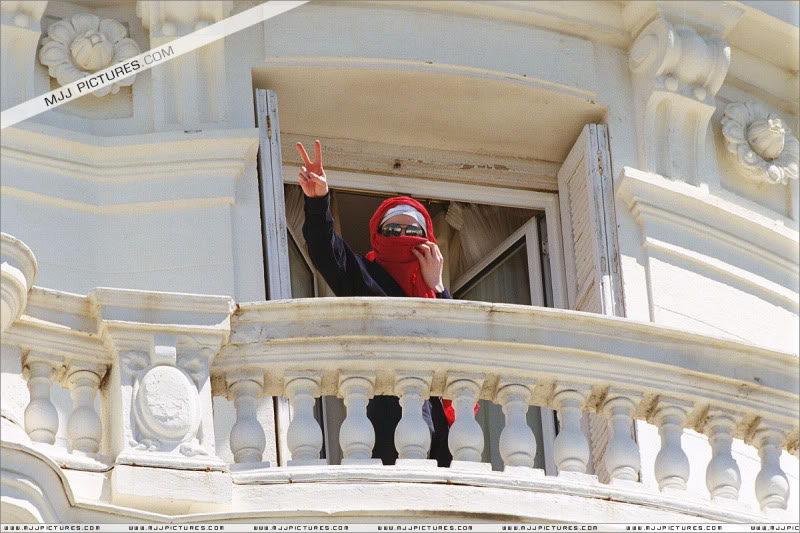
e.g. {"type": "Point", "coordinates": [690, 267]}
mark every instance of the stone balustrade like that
{"type": "Point", "coordinates": [157, 359]}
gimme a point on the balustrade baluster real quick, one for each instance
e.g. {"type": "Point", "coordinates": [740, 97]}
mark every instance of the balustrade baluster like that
{"type": "Point", "coordinates": [571, 449]}
{"type": "Point", "coordinates": [412, 437]}
{"type": "Point", "coordinates": [517, 442]}
{"type": "Point", "coordinates": [357, 436]}
{"type": "Point", "coordinates": [304, 436]}
{"type": "Point", "coordinates": [84, 428]}
{"type": "Point", "coordinates": [772, 485]}
{"type": "Point", "coordinates": [723, 478]}
{"type": "Point", "coordinates": [672, 466]}
{"type": "Point", "coordinates": [41, 417]}
{"type": "Point", "coordinates": [466, 437]}
{"type": "Point", "coordinates": [248, 440]}
{"type": "Point", "coordinates": [622, 456]}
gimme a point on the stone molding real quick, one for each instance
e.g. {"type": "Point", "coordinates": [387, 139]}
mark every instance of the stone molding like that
{"type": "Point", "coordinates": [83, 44]}
{"type": "Point", "coordinates": [763, 143]}
{"type": "Point", "coordinates": [17, 271]}
{"type": "Point", "coordinates": [665, 209]}
{"type": "Point", "coordinates": [152, 171]}
{"type": "Point", "coordinates": [677, 73]}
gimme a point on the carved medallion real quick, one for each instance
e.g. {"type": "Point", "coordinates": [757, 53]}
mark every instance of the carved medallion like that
{"type": "Point", "coordinates": [83, 44]}
{"type": "Point", "coordinates": [762, 142]}
{"type": "Point", "coordinates": [166, 407]}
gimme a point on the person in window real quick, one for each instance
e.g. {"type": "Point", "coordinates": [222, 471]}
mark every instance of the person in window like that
{"type": "Point", "coordinates": [404, 261]}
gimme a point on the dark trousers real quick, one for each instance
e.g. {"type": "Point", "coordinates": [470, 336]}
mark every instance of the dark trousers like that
{"type": "Point", "coordinates": [385, 413]}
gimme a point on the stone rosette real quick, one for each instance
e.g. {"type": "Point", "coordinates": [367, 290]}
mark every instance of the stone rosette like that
{"type": "Point", "coordinates": [83, 44]}
{"type": "Point", "coordinates": [762, 141]}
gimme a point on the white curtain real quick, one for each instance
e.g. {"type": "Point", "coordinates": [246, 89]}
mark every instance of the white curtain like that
{"type": "Point", "coordinates": [477, 230]}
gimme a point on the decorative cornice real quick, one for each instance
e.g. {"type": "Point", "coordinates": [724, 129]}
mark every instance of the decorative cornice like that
{"type": "Point", "coordinates": [83, 44]}
{"type": "Point", "coordinates": [763, 143]}
{"type": "Point", "coordinates": [141, 172]}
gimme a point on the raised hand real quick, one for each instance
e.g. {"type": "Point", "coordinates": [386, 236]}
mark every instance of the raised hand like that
{"type": "Point", "coordinates": [312, 176]}
{"type": "Point", "coordinates": [431, 263]}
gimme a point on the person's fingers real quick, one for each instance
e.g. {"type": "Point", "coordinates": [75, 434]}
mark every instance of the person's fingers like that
{"type": "Point", "coordinates": [318, 153]}
{"type": "Point", "coordinates": [424, 250]}
{"type": "Point", "coordinates": [316, 177]}
{"type": "Point", "coordinates": [303, 154]}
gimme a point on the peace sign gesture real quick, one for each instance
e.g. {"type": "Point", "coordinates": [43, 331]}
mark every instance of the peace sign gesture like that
{"type": "Point", "coordinates": [312, 176]}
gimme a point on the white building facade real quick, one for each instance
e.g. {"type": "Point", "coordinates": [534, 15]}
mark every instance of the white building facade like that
{"type": "Point", "coordinates": [614, 186]}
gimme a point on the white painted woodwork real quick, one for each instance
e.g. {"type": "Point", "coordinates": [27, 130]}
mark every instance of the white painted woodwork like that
{"type": "Point", "coordinates": [591, 255]}
{"type": "Point", "coordinates": [672, 464]}
{"type": "Point", "coordinates": [247, 439]}
{"type": "Point", "coordinates": [412, 437]}
{"type": "Point", "coordinates": [772, 485]}
{"type": "Point", "coordinates": [517, 442]}
{"type": "Point", "coordinates": [571, 448]}
{"type": "Point", "coordinates": [356, 435]}
{"type": "Point", "coordinates": [465, 440]}
{"type": "Point", "coordinates": [723, 477]}
{"type": "Point", "coordinates": [304, 436]}
{"type": "Point", "coordinates": [622, 454]}
{"type": "Point", "coordinates": [84, 428]}
{"type": "Point", "coordinates": [41, 417]}
{"type": "Point", "coordinates": [589, 225]}
{"type": "Point", "coordinates": [273, 229]}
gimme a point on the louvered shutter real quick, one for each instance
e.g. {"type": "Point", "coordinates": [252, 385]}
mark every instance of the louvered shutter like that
{"type": "Point", "coordinates": [591, 258]}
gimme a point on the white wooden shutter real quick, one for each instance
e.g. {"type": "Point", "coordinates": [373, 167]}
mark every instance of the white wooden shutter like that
{"type": "Point", "coordinates": [273, 229]}
{"type": "Point", "coordinates": [589, 230]}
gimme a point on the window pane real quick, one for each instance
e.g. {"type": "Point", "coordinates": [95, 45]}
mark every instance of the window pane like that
{"type": "Point", "coordinates": [504, 281]}
{"type": "Point", "coordinates": [301, 274]}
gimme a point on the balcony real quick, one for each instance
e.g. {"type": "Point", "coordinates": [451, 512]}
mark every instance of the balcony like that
{"type": "Point", "coordinates": [143, 449]}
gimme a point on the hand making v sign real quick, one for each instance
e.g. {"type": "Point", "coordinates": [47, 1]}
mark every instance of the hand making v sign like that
{"type": "Point", "coordinates": [312, 176]}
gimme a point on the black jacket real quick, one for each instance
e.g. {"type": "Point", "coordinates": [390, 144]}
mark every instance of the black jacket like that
{"type": "Point", "coordinates": [349, 274]}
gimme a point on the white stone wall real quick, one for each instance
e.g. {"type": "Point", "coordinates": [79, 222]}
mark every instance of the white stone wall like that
{"type": "Point", "coordinates": [156, 187]}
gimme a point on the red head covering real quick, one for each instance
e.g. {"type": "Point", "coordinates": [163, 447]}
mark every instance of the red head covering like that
{"type": "Point", "coordinates": [394, 253]}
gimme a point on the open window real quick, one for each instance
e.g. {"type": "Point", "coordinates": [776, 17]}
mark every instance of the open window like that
{"type": "Point", "coordinates": [527, 267]}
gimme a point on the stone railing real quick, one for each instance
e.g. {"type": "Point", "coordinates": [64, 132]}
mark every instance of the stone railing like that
{"type": "Point", "coordinates": [515, 356]}
{"type": "Point", "coordinates": [157, 359]}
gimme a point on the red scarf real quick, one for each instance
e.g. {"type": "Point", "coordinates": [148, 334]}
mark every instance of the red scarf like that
{"type": "Point", "coordinates": [394, 255]}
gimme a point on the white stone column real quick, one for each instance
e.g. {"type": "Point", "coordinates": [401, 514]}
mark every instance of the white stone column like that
{"type": "Point", "coordinates": [412, 437]}
{"type": "Point", "coordinates": [772, 485]}
{"type": "Point", "coordinates": [17, 272]}
{"type": "Point", "coordinates": [304, 436]}
{"type": "Point", "coordinates": [517, 442]}
{"type": "Point", "coordinates": [84, 428]}
{"type": "Point", "coordinates": [41, 417]}
{"type": "Point", "coordinates": [671, 465]}
{"type": "Point", "coordinates": [571, 449]}
{"type": "Point", "coordinates": [357, 436]}
{"type": "Point", "coordinates": [622, 456]}
{"type": "Point", "coordinates": [247, 440]}
{"type": "Point", "coordinates": [723, 478]}
{"type": "Point", "coordinates": [466, 438]}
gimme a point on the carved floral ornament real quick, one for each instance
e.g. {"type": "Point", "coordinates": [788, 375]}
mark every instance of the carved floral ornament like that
{"type": "Point", "coordinates": [83, 44]}
{"type": "Point", "coordinates": [762, 141]}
